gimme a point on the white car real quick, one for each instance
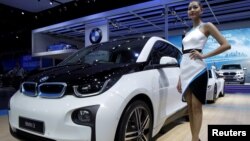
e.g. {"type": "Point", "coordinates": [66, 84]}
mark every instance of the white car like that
{"type": "Point", "coordinates": [233, 73]}
{"type": "Point", "coordinates": [118, 90]}
{"type": "Point", "coordinates": [216, 85]}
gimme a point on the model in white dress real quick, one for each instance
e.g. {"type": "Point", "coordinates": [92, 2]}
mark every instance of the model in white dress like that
{"type": "Point", "coordinates": [194, 71]}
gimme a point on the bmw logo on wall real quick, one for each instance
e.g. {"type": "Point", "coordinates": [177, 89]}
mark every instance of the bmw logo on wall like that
{"type": "Point", "coordinates": [95, 35]}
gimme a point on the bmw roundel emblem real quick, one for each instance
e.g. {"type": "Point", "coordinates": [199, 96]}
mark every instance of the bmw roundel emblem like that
{"type": "Point", "coordinates": [95, 35]}
{"type": "Point", "coordinates": [43, 79]}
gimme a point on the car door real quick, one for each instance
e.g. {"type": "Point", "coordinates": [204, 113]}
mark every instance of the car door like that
{"type": "Point", "coordinates": [168, 75]}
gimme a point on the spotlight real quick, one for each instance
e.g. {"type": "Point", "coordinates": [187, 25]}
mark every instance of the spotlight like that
{"type": "Point", "coordinates": [114, 23]}
{"type": "Point", "coordinates": [163, 12]}
{"type": "Point", "coordinates": [51, 2]}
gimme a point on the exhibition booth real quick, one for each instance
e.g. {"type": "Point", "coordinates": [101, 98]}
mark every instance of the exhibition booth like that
{"type": "Point", "coordinates": [99, 67]}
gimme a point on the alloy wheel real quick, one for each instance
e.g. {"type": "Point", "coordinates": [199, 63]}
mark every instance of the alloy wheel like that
{"type": "Point", "coordinates": [137, 126]}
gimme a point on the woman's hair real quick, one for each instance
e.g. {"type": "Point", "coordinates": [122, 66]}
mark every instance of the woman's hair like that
{"type": "Point", "coordinates": [198, 1]}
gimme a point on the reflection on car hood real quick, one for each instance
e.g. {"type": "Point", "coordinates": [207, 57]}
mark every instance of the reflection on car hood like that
{"type": "Point", "coordinates": [77, 74]}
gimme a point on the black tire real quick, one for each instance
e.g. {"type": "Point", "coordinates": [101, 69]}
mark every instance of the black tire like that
{"type": "Point", "coordinates": [222, 93]}
{"type": "Point", "coordinates": [129, 128]}
{"type": "Point", "coordinates": [215, 93]}
{"type": "Point", "coordinates": [186, 118]}
{"type": "Point", "coordinates": [243, 82]}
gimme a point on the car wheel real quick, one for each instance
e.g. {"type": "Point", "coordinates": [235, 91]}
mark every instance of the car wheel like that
{"type": "Point", "coordinates": [136, 123]}
{"type": "Point", "coordinates": [222, 93]}
{"type": "Point", "coordinates": [215, 92]}
{"type": "Point", "coordinates": [243, 82]}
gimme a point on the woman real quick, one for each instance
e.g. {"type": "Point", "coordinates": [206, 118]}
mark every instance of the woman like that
{"type": "Point", "coordinates": [193, 79]}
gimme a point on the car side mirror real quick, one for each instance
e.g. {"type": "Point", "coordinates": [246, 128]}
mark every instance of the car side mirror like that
{"type": "Point", "coordinates": [168, 60]}
{"type": "Point", "coordinates": [244, 68]}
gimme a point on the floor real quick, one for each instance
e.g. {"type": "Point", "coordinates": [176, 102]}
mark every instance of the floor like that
{"type": "Point", "coordinates": [231, 109]}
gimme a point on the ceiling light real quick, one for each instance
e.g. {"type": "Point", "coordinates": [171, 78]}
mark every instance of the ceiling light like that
{"type": "Point", "coordinates": [51, 2]}
{"type": "Point", "coordinates": [163, 12]}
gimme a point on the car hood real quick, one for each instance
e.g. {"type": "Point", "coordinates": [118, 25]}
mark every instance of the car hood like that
{"type": "Point", "coordinates": [80, 74]}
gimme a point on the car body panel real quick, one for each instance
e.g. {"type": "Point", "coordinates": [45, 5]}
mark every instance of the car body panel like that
{"type": "Point", "coordinates": [233, 73]}
{"type": "Point", "coordinates": [217, 82]}
{"type": "Point", "coordinates": [157, 82]}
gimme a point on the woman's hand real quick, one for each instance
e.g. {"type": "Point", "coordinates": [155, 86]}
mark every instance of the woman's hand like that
{"type": "Point", "coordinates": [195, 55]}
{"type": "Point", "coordinates": [178, 87]}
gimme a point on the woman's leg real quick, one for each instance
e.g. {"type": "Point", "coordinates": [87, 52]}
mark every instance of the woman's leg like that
{"type": "Point", "coordinates": [190, 111]}
{"type": "Point", "coordinates": [197, 117]}
{"type": "Point", "coordinates": [195, 114]}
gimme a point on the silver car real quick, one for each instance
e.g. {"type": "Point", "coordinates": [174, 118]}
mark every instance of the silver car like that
{"type": "Point", "coordinates": [233, 73]}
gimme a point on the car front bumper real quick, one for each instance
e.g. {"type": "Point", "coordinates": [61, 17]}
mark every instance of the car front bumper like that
{"type": "Point", "coordinates": [239, 78]}
{"type": "Point", "coordinates": [56, 114]}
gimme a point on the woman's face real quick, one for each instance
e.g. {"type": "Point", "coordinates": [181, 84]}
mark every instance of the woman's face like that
{"type": "Point", "coordinates": [194, 10]}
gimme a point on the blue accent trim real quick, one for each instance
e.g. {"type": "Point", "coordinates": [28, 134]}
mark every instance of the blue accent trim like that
{"type": "Point", "coordinates": [3, 112]}
{"type": "Point", "coordinates": [199, 74]}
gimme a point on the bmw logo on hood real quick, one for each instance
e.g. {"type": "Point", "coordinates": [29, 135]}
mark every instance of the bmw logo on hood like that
{"type": "Point", "coordinates": [95, 35]}
{"type": "Point", "coordinates": [44, 79]}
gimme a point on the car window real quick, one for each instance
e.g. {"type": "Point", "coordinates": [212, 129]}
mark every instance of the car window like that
{"type": "Point", "coordinates": [161, 49]}
{"type": "Point", "coordinates": [231, 67]}
{"type": "Point", "coordinates": [123, 51]}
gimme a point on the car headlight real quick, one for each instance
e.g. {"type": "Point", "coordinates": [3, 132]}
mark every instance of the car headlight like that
{"type": "Point", "coordinates": [94, 88]}
{"type": "Point", "coordinates": [220, 73]}
{"type": "Point", "coordinates": [209, 86]}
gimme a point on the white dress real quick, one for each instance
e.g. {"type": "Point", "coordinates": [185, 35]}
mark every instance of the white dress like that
{"type": "Point", "coordinates": [194, 72]}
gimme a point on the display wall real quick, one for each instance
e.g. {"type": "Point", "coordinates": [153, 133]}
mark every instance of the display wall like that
{"type": "Point", "coordinates": [27, 62]}
{"type": "Point", "coordinates": [238, 54]}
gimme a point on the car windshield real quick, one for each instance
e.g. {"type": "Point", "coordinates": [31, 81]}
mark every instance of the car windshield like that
{"type": "Point", "coordinates": [117, 52]}
{"type": "Point", "coordinates": [230, 67]}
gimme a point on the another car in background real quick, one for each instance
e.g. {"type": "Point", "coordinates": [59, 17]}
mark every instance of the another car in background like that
{"type": "Point", "coordinates": [233, 73]}
{"type": "Point", "coordinates": [61, 46]}
{"type": "Point", "coordinates": [216, 85]}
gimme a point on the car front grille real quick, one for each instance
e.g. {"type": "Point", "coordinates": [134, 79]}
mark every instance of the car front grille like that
{"type": "Point", "coordinates": [52, 89]}
{"type": "Point", "coordinates": [29, 88]}
{"type": "Point", "coordinates": [45, 90]}
{"type": "Point", "coordinates": [229, 73]}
